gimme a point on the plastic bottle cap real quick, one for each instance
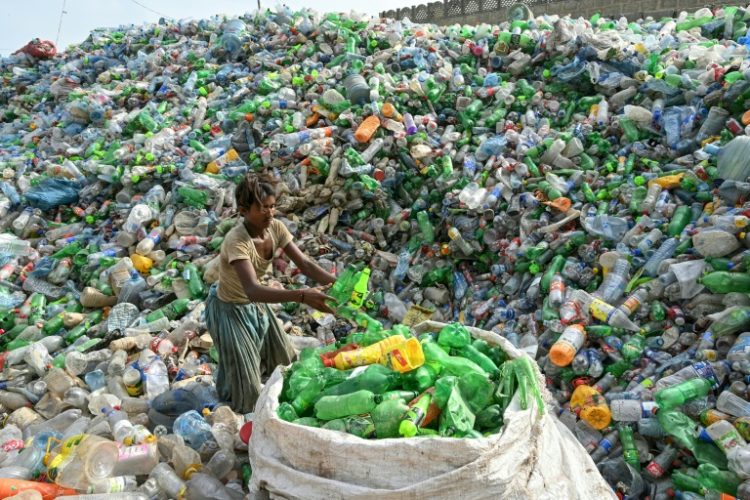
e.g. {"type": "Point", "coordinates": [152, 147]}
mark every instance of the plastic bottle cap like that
{"type": "Point", "coordinates": [561, 354]}
{"type": "Point", "coordinates": [246, 431]}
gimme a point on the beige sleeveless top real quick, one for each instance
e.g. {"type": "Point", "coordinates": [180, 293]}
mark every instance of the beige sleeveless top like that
{"type": "Point", "coordinates": [238, 245]}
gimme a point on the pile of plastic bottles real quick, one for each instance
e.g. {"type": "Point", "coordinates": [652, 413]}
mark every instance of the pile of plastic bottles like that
{"type": "Point", "coordinates": [578, 186]}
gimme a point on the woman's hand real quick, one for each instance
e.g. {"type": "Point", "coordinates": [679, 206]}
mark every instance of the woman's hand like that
{"type": "Point", "coordinates": [315, 298]}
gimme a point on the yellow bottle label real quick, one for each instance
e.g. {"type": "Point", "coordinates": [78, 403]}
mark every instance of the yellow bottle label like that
{"type": "Point", "coordinates": [600, 310]}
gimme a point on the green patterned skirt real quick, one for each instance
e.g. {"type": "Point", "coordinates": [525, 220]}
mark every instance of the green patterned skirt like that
{"type": "Point", "coordinates": [250, 343]}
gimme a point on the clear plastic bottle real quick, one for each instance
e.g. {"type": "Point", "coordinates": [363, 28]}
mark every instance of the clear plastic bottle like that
{"type": "Point", "coordinates": [136, 460]}
{"type": "Point", "coordinates": [614, 283]}
{"type": "Point", "coordinates": [92, 460]}
{"type": "Point", "coordinates": [169, 482]}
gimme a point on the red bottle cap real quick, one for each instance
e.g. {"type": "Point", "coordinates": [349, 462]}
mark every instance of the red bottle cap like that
{"type": "Point", "coordinates": [246, 431]}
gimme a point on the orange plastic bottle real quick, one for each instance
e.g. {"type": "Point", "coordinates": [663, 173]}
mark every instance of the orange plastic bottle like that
{"type": "Point", "coordinates": [591, 406]}
{"type": "Point", "coordinates": [390, 111]}
{"type": "Point", "coordinates": [11, 487]}
{"type": "Point", "coordinates": [570, 342]}
{"type": "Point", "coordinates": [367, 128]}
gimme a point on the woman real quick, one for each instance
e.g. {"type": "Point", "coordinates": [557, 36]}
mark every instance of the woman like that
{"type": "Point", "coordinates": [245, 331]}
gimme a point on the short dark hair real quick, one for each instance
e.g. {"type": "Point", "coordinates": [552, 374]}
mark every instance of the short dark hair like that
{"type": "Point", "coordinates": [254, 187]}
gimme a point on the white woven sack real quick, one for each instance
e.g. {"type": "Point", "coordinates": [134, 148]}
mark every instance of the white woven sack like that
{"type": "Point", "coordinates": [534, 457]}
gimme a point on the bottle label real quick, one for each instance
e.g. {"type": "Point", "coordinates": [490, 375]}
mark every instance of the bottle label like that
{"type": "Point", "coordinates": [600, 310]}
{"type": "Point", "coordinates": [742, 424]}
{"type": "Point", "coordinates": [655, 469]}
{"type": "Point", "coordinates": [631, 304]}
{"type": "Point", "coordinates": [573, 336]}
{"type": "Point", "coordinates": [705, 371]}
{"type": "Point", "coordinates": [111, 485]}
{"type": "Point", "coordinates": [12, 444]}
{"type": "Point", "coordinates": [648, 409]}
{"type": "Point", "coordinates": [133, 452]}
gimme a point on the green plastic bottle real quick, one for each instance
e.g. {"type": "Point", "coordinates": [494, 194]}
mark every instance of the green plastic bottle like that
{"type": "Point", "coordinates": [712, 478]}
{"type": "Point", "coordinates": [409, 426]}
{"type": "Point", "coordinates": [426, 228]}
{"type": "Point", "coordinates": [357, 425]}
{"type": "Point", "coordinates": [375, 378]}
{"type": "Point", "coordinates": [726, 282]}
{"type": "Point", "coordinates": [453, 365]}
{"type": "Point", "coordinates": [454, 335]}
{"type": "Point", "coordinates": [678, 395]}
{"type": "Point", "coordinates": [308, 394]}
{"type": "Point", "coordinates": [680, 220]}
{"type": "Point", "coordinates": [387, 417]}
{"type": "Point", "coordinates": [360, 289]}
{"type": "Point", "coordinates": [629, 449]}
{"type": "Point", "coordinates": [420, 379]}
{"type": "Point", "coordinates": [285, 411]}
{"type": "Point", "coordinates": [192, 276]}
{"type": "Point", "coordinates": [491, 418]}
{"type": "Point", "coordinates": [354, 403]}
{"type": "Point", "coordinates": [171, 311]}
{"type": "Point", "coordinates": [473, 354]}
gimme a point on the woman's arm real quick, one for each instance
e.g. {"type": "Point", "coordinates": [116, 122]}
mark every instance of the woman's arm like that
{"type": "Point", "coordinates": [258, 293]}
{"type": "Point", "coordinates": [308, 267]}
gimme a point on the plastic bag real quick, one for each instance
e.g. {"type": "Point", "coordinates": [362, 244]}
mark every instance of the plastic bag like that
{"type": "Point", "coordinates": [53, 192]}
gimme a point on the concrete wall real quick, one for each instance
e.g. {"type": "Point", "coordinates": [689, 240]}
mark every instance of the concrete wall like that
{"type": "Point", "coordinates": [493, 11]}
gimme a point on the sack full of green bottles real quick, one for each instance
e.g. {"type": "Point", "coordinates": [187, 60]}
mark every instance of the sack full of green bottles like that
{"type": "Point", "coordinates": [381, 383]}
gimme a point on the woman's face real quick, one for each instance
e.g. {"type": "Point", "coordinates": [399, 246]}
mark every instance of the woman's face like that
{"type": "Point", "coordinates": [260, 214]}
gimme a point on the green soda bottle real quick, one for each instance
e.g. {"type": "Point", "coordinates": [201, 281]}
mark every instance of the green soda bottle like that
{"type": "Point", "coordinates": [38, 304]}
{"type": "Point", "coordinates": [678, 395]}
{"type": "Point", "coordinates": [53, 325]}
{"type": "Point", "coordinates": [344, 285]}
{"type": "Point", "coordinates": [456, 419]}
{"type": "Point", "coordinates": [454, 335]}
{"type": "Point", "coordinates": [171, 311]}
{"type": "Point", "coordinates": [490, 418]}
{"type": "Point", "coordinates": [285, 411]}
{"type": "Point", "coordinates": [193, 197]}
{"type": "Point", "coordinates": [680, 219]}
{"type": "Point", "coordinates": [426, 228]}
{"type": "Point", "coordinates": [453, 365]}
{"type": "Point", "coordinates": [308, 394]}
{"type": "Point", "coordinates": [375, 378]}
{"type": "Point", "coordinates": [192, 276]}
{"type": "Point", "coordinates": [415, 416]}
{"type": "Point", "coordinates": [476, 390]}
{"type": "Point", "coordinates": [360, 426]}
{"type": "Point", "coordinates": [387, 417]}
{"type": "Point", "coordinates": [713, 478]}
{"type": "Point", "coordinates": [726, 282]}
{"type": "Point", "coordinates": [420, 379]}
{"type": "Point", "coordinates": [360, 289]}
{"type": "Point", "coordinates": [629, 449]}
{"type": "Point", "coordinates": [355, 403]}
{"type": "Point", "coordinates": [482, 360]}
{"type": "Point", "coordinates": [685, 482]}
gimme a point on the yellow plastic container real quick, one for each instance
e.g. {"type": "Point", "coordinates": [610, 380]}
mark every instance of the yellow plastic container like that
{"type": "Point", "coordinates": [141, 263]}
{"type": "Point", "coordinates": [668, 181]}
{"type": "Point", "coordinates": [367, 355]}
{"type": "Point", "coordinates": [592, 405]}
{"type": "Point", "coordinates": [406, 357]}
